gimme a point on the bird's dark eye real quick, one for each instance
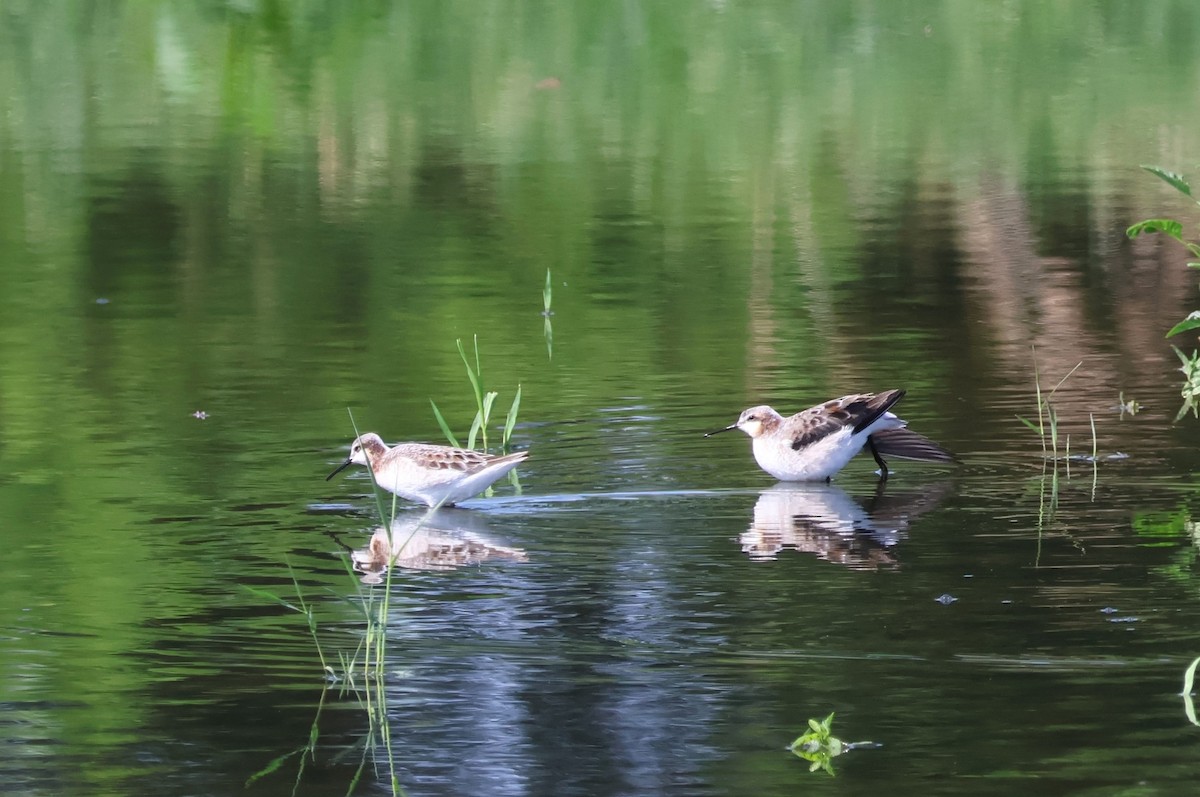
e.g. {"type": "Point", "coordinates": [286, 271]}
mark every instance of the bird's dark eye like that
{"type": "Point", "coordinates": [752, 418]}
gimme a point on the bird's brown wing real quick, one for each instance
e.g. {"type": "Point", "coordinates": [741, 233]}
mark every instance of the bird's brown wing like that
{"type": "Point", "coordinates": [858, 411]}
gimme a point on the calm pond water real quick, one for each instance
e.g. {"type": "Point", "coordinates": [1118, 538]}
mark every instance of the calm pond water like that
{"type": "Point", "coordinates": [224, 224]}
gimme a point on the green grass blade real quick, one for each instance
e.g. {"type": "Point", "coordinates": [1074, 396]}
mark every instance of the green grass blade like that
{"type": "Point", "coordinates": [1092, 420]}
{"type": "Point", "coordinates": [272, 766]}
{"type": "Point", "coordinates": [1064, 379]}
{"type": "Point", "coordinates": [445, 426]}
{"type": "Point", "coordinates": [462, 352]}
{"type": "Point", "coordinates": [511, 420]}
{"type": "Point", "coordinates": [486, 417]}
{"type": "Point", "coordinates": [1037, 388]}
{"type": "Point", "coordinates": [478, 365]}
{"type": "Point", "coordinates": [476, 425]}
{"type": "Point", "coordinates": [1052, 417]}
{"type": "Point", "coordinates": [273, 598]}
{"type": "Point", "coordinates": [375, 489]}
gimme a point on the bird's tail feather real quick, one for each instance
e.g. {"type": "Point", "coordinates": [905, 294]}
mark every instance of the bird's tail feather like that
{"type": "Point", "coordinates": [907, 444]}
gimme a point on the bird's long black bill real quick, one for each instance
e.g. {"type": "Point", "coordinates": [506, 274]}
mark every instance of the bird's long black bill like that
{"type": "Point", "coordinates": [338, 470]}
{"type": "Point", "coordinates": [726, 429]}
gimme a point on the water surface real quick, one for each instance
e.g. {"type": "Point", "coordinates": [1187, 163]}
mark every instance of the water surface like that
{"type": "Point", "coordinates": [223, 225]}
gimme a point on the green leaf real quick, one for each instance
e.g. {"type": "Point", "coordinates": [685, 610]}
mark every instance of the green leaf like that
{"type": "Point", "coordinates": [1029, 423]}
{"type": "Point", "coordinates": [1191, 322]}
{"type": "Point", "coordinates": [476, 425]}
{"type": "Point", "coordinates": [1168, 226]}
{"type": "Point", "coordinates": [445, 427]}
{"type": "Point", "coordinates": [511, 420]}
{"type": "Point", "coordinates": [1176, 181]}
{"type": "Point", "coordinates": [816, 726]}
{"type": "Point", "coordinates": [478, 372]}
{"type": "Point", "coordinates": [471, 373]}
{"type": "Point", "coordinates": [488, 400]}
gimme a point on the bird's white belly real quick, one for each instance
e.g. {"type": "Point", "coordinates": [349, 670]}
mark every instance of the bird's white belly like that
{"type": "Point", "coordinates": [433, 486]}
{"type": "Point", "coordinates": [820, 460]}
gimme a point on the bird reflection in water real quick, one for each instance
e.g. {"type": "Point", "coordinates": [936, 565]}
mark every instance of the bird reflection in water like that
{"type": "Point", "coordinates": [429, 541]}
{"type": "Point", "coordinates": [825, 520]}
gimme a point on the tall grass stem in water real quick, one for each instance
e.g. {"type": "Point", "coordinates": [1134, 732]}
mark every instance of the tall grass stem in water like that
{"type": "Point", "coordinates": [1047, 424]}
{"type": "Point", "coordinates": [369, 657]}
{"type": "Point", "coordinates": [375, 651]}
{"type": "Point", "coordinates": [1095, 455]}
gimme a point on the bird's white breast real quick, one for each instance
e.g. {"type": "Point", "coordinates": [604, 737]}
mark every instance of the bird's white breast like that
{"type": "Point", "coordinates": [819, 460]}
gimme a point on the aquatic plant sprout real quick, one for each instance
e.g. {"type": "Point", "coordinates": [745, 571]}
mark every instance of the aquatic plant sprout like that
{"type": "Point", "coordinates": [818, 745]}
{"type": "Point", "coordinates": [1047, 424]}
{"type": "Point", "coordinates": [484, 400]}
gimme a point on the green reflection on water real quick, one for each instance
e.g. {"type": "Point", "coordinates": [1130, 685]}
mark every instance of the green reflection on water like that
{"type": "Point", "coordinates": [271, 212]}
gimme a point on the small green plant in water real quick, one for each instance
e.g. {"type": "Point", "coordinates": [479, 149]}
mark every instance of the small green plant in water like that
{"type": "Point", "coordinates": [484, 399]}
{"type": "Point", "coordinates": [547, 329]}
{"type": "Point", "coordinates": [1189, 683]}
{"type": "Point", "coordinates": [1047, 421]}
{"type": "Point", "coordinates": [1047, 431]}
{"type": "Point", "coordinates": [1191, 364]}
{"type": "Point", "coordinates": [818, 745]}
{"type": "Point", "coordinates": [1130, 408]}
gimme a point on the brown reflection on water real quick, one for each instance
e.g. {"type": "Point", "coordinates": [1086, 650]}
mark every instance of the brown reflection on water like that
{"type": "Point", "coordinates": [1019, 298]}
{"type": "Point", "coordinates": [439, 540]}
{"type": "Point", "coordinates": [824, 520]}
